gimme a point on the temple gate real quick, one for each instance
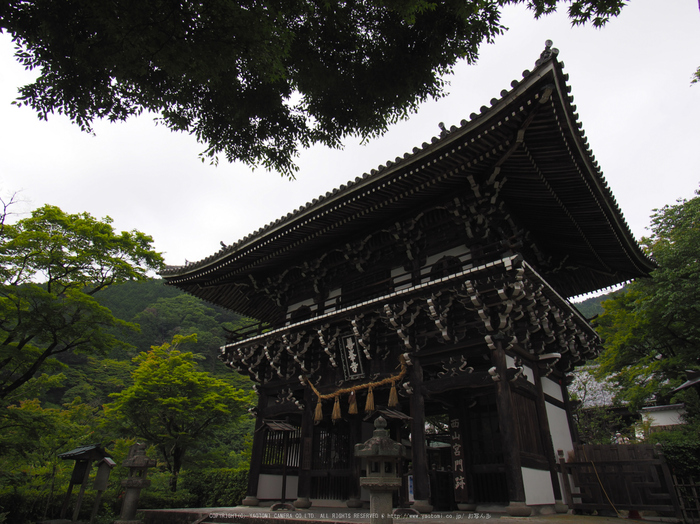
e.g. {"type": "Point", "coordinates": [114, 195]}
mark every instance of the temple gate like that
{"type": "Point", "coordinates": [433, 291]}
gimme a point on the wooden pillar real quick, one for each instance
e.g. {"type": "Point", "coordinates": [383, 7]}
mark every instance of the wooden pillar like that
{"type": "Point", "coordinates": [303, 500]}
{"type": "Point", "coordinates": [81, 493]}
{"type": "Point", "coordinates": [66, 500]}
{"type": "Point", "coordinates": [509, 435]}
{"type": "Point", "coordinates": [354, 492]}
{"type": "Point", "coordinates": [251, 498]}
{"type": "Point", "coordinates": [421, 480]}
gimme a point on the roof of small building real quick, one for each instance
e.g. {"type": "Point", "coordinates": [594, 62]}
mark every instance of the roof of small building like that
{"type": "Point", "coordinates": [529, 143]}
{"type": "Point", "coordinates": [90, 452]}
{"type": "Point", "coordinates": [667, 407]}
{"type": "Point", "coordinates": [693, 376]}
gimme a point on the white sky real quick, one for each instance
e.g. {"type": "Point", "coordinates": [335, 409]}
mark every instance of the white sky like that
{"type": "Point", "coordinates": [630, 81]}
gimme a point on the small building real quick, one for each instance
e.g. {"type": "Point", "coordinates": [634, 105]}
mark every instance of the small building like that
{"type": "Point", "coordinates": [663, 418]}
{"type": "Point", "coordinates": [431, 290]}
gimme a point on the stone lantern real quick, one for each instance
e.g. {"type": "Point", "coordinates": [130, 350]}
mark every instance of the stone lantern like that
{"type": "Point", "coordinates": [138, 464]}
{"type": "Point", "coordinates": [381, 456]}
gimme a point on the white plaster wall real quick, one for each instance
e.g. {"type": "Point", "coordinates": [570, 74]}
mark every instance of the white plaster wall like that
{"type": "Point", "coordinates": [270, 487]}
{"type": "Point", "coordinates": [561, 434]}
{"type": "Point", "coordinates": [669, 417]}
{"type": "Point", "coordinates": [559, 428]}
{"type": "Point", "coordinates": [552, 388]}
{"type": "Point", "coordinates": [538, 486]}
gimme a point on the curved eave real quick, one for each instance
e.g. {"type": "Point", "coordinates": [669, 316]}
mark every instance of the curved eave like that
{"type": "Point", "coordinates": [554, 187]}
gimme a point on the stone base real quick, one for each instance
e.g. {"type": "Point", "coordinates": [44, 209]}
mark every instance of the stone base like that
{"type": "Point", "coordinates": [544, 509]}
{"type": "Point", "coordinates": [560, 507]}
{"type": "Point", "coordinates": [354, 503]}
{"type": "Point", "coordinates": [518, 509]}
{"type": "Point", "coordinates": [302, 503]}
{"type": "Point", "coordinates": [282, 506]}
{"type": "Point", "coordinates": [466, 507]}
{"type": "Point", "coordinates": [250, 501]}
{"type": "Point", "coordinates": [405, 512]}
{"type": "Point", "coordinates": [422, 506]}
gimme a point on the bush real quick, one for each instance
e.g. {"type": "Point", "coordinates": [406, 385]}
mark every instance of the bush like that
{"type": "Point", "coordinates": [27, 508]}
{"type": "Point", "coordinates": [681, 448]}
{"type": "Point", "coordinates": [221, 487]}
{"type": "Point", "coordinates": [157, 499]}
{"type": "Point", "coordinates": [683, 458]}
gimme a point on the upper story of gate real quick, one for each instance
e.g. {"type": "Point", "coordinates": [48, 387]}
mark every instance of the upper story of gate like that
{"type": "Point", "coordinates": [518, 179]}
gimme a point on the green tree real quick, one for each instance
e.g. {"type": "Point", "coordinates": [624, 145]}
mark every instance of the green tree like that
{"type": "Point", "coordinates": [184, 315]}
{"type": "Point", "coordinates": [32, 477]}
{"type": "Point", "coordinates": [130, 298]}
{"type": "Point", "coordinates": [254, 81]}
{"type": "Point", "coordinates": [174, 405]}
{"type": "Point", "coordinates": [51, 266]}
{"type": "Point", "coordinates": [651, 330]}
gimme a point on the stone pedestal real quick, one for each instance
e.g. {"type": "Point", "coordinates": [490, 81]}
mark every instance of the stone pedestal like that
{"type": "Point", "coordinates": [302, 503]}
{"type": "Point", "coordinates": [380, 498]}
{"type": "Point", "coordinates": [381, 456]}
{"type": "Point", "coordinates": [518, 509]}
{"type": "Point", "coordinates": [560, 507]}
{"type": "Point", "coordinates": [422, 506]}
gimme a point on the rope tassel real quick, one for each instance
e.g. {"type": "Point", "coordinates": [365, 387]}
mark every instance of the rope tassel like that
{"type": "Point", "coordinates": [352, 410]}
{"type": "Point", "coordinates": [393, 397]}
{"type": "Point", "coordinates": [336, 410]}
{"type": "Point", "coordinates": [369, 405]}
{"type": "Point", "coordinates": [318, 414]}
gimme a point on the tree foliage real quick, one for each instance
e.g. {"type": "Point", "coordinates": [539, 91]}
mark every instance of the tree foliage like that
{"type": "Point", "coordinates": [651, 330]}
{"type": "Point", "coordinates": [174, 405]}
{"type": "Point", "coordinates": [51, 266]}
{"type": "Point", "coordinates": [254, 81]}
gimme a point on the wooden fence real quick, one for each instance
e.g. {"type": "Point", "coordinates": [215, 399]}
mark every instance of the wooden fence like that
{"type": "Point", "coordinates": [620, 477]}
{"type": "Point", "coordinates": [688, 490]}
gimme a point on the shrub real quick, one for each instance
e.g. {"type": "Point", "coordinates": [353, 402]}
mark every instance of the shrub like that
{"type": "Point", "coordinates": [681, 448]}
{"type": "Point", "coordinates": [221, 487]}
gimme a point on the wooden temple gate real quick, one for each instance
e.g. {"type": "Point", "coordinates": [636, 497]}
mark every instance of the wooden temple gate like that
{"type": "Point", "coordinates": [432, 287]}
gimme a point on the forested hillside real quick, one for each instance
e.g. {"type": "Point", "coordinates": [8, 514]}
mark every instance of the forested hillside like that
{"type": "Point", "coordinates": [68, 410]}
{"type": "Point", "coordinates": [593, 306]}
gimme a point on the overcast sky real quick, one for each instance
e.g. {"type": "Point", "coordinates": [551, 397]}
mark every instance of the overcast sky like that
{"type": "Point", "coordinates": [630, 81]}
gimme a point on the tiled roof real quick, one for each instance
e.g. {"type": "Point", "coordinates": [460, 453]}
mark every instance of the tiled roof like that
{"type": "Point", "coordinates": [575, 208]}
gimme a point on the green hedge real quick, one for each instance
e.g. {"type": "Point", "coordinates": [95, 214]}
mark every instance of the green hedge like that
{"type": "Point", "coordinates": [222, 487]}
{"type": "Point", "coordinates": [28, 508]}
{"type": "Point", "coordinates": [681, 448]}
{"type": "Point", "coordinates": [158, 499]}
{"type": "Point", "coordinates": [225, 487]}
{"type": "Point", "coordinates": [683, 458]}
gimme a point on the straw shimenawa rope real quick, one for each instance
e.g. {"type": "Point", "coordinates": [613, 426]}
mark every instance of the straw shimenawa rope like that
{"type": "Point", "coordinates": [369, 405]}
